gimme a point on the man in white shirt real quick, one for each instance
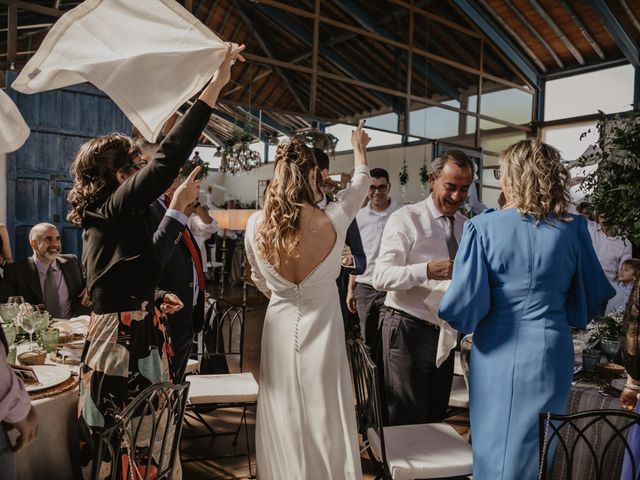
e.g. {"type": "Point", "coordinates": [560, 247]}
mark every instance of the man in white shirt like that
{"type": "Point", "coordinates": [418, 246]}
{"type": "Point", "coordinates": [361, 296]}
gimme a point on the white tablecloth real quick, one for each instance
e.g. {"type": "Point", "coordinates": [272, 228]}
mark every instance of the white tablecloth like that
{"type": "Point", "coordinates": [49, 455]}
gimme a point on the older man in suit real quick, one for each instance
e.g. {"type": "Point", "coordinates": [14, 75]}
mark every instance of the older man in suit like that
{"type": "Point", "coordinates": [48, 277]}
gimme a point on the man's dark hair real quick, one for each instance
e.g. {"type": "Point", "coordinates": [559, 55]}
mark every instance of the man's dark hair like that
{"type": "Point", "coordinates": [322, 159]}
{"type": "Point", "coordinates": [379, 173]}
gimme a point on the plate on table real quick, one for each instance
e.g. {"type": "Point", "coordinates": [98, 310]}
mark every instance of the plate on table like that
{"type": "Point", "coordinates": [48, 376]}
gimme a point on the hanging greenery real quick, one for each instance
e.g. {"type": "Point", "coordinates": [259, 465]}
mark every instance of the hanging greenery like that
{"type": "Point", "coordinates": [404, 173]}
{"type": "Point", "coordinates": [615, 185]}
{"type": "Point", "coordinates": [237, 156]}
{"type": "Point", "coordinates": [314, 138]}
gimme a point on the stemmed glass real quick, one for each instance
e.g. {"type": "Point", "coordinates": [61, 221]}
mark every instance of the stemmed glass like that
{"type": "Point", "coordinates": [27, 321]}
{"type": "Point", "coordinates": [18, 299]}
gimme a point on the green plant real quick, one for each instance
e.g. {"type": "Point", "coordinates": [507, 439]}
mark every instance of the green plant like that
{"type": "Point", "coordinates": [404, 174]}
{"type": "Point", "coordinates": [237, 156]}
{"type": "Point", "coordinates": [424, 176]}
{"type": "Point", "coordinates": [615, 185]}
{"type": "Point", "coordinates": [314, 138]}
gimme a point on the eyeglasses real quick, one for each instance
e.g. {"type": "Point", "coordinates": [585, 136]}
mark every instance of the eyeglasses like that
{"type": "Point", "coordinates": [496, 173]}
{"type": "Point", "coordinates": [136, 165]}
{"type": "Point", "coordinates": [379, 188]}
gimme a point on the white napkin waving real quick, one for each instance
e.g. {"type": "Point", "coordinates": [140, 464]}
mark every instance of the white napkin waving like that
{"type": "Point", "coordinates": [448, 335]}
{"type": "Point", "coordinates": [149, 56]}
{"type": "Point", "coordinates": [14, 131]}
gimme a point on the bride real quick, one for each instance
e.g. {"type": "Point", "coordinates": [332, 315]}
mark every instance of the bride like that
{"type": "Point", "coordinates": [306, 426]}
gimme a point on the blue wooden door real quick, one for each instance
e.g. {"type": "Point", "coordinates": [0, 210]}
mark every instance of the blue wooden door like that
{"type": "Point", "coordinates": [38, 174]}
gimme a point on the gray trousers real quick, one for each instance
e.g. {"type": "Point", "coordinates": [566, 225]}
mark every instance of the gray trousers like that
{"type": "Point", "coordinates": [416, 390]}
{"type": "Point", "coordinates": [8, 469]}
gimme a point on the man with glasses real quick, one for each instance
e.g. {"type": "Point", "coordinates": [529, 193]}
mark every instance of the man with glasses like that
{"type": "Point", "coordinates": [361, 296]}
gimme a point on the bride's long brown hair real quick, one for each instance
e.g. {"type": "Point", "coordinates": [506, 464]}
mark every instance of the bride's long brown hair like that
{"type": "Point", "coordinates": [278, 234]}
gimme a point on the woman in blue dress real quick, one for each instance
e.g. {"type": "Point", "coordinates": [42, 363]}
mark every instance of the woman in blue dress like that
{"type": "Point", "coordinates": [522, 277]}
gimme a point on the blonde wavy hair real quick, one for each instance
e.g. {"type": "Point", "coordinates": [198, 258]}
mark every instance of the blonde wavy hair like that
{"type": "Point", "coordinates": [535, 179]}
{"type": "Point", "coordinates": [278, 235]}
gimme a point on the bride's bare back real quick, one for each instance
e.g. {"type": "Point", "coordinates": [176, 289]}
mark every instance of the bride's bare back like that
{"type": "Point", "coordinates": [317, 239]}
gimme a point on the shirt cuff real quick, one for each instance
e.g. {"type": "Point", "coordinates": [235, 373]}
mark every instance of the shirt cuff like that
{"type": "Point", "coordinates": [353, 264]}
{"type": "Point", "coordinates": [177, 215]}
{"type": "Point", "coordinates": [419, 272]}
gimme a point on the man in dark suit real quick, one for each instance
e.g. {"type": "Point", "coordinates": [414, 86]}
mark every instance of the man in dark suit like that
{"type": "Point", "coordinates": [181, 264]}
{"type": "Point", "coordinates": [48, 277]}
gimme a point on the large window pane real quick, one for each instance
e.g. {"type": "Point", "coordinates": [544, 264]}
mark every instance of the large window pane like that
{"type": "Point", "coordinates": [609, 90]}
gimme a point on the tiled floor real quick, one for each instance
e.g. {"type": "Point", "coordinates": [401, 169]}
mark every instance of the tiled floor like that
{"type": "Point", "coordinates": [226, 421]}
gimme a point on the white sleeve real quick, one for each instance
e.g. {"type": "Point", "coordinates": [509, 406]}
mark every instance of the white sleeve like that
{"type": "Point", "coordinates": [392, 271]}
{"type": "Point", "coordinates": [201, 229]}
{"type": "Point", "coordinates": [349, 201]}
{"type": "Point", "coordinates": [256, 274]}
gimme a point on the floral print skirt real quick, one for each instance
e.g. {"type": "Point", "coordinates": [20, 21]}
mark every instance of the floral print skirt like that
{"type": "Point", "coordinates": [124, 353]}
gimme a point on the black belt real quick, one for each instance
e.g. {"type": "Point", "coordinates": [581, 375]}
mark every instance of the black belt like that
{"type": "Point", "coordinates": [411, 317]}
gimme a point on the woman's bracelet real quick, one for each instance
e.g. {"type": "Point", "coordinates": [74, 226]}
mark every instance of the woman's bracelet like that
{"type": "Point", "coordinates": [632, 386]}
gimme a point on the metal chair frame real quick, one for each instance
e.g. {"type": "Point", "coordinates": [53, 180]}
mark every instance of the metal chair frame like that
{"type": "Point", "coordinates": [164, 404]}
{"type": "Point", "coordinates": [368, 406]}
{"type": "Point", "coordinates": [551, 426]}
{"type": "Point", "coordinates": [232, 319]}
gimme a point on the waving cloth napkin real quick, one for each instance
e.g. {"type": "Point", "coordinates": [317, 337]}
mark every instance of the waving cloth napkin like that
{"type": "Point", "coordinates": [149, 56]}
{"type": "Point", "coordinates": [448, 335]}
{"type": "Point", "coordinates": [13, 129]}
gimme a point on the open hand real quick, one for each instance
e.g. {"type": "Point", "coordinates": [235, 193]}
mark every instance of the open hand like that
{"type": "Point", "coordinates": [223, 74]}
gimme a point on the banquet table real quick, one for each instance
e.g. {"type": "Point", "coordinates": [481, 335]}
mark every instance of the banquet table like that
{"type": "Point", "coordinates": [51, 454]}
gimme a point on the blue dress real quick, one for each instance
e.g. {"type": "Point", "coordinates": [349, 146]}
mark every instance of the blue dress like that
{"type": "Point", "coordinates": [518, 287]}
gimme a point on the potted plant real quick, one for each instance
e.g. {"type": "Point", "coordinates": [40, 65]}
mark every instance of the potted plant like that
{"type": "Point", "coordinates": [610, 332]}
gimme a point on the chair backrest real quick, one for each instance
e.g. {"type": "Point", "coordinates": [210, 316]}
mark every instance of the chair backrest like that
{"type": "Point", "coordinates": [587, 444]}
{"type": "Point", "coordinates": [224, 330]}
{"type": "Point", "coordinates": [365, 382]}
{"type": "Point", "coordinates": [144, 441]}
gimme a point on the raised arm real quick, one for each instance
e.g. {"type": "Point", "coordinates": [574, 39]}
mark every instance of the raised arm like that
{"type": "Point", "coordinates": [138, 191]}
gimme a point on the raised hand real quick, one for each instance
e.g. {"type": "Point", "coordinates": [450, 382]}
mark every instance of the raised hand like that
{"type": "Point", "coordinates": [187, 192]}
{"type": "Point", "coordinates": [359, 138]}
{"type": "Point", "coordinates": [223, 74]}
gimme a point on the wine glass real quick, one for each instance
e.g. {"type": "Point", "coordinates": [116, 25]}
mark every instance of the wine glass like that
{"type": "Point", "coordinates": [8, 312]}
{"type": "Point", "coordinates": [27, 321]}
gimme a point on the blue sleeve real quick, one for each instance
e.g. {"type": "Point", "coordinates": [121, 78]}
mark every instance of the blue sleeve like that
{"type": "Point", "coordinates": [467, 300]}
{"type": "Point", "coordinates": [590, 289]}
{"type": "Point", "coordinates": [354, 241]}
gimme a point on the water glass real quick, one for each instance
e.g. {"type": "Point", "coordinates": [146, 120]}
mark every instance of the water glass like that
{"type": "Point", "coordinates": [17, 299]}
{"type": "Point", "coordinates": [10, 331]}
{"type": "Point", "coordinates": [11, 355]}
{"type": "Point", "coordinates": [50, 339]}
{"type": "Point", "coordinates": [8, 312]}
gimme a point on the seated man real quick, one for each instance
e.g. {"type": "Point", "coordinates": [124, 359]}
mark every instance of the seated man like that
{"type": "Point", "coordinates": [48, 277]}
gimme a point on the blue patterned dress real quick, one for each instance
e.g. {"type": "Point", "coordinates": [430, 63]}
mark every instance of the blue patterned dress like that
{"type": "Point", "coordinates": [519, 286]}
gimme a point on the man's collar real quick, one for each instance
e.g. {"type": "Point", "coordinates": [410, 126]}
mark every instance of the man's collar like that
{"type": "Point", "coordinates": [44, 266]}
{"type": "Point", "coordinates": [383, 212]}
{"type": "Point", "coordinates": [435, 213]}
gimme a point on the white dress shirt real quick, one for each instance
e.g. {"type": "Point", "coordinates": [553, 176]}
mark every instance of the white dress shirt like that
{"type": "Point", "coordinates": [371, 224]}
{"type": "Point", "coordinates": [414, 236]}
{"type": "Point", "coordinates": [201, 232]}
{"type": "Point", "coordinates": [611, 251]}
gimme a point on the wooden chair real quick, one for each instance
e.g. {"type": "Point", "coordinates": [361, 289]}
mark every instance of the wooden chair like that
{"type": "Point", "coordinates": [403, 452]}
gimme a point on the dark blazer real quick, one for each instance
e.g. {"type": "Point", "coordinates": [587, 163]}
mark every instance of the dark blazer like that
{"type": "Point", "coordinates": [21, 278]}
{"type": "Point", "coordinates": [119, 255]}
{"type": "Point", "coordinates": [177, 277]}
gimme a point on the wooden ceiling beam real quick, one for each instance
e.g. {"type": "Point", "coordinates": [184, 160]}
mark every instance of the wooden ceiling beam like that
{"type": "Point", "coordinates": [630, 14]}
{"type": "Point", "coordinates": [583, 30]}
{"type": "Point", "coordinates": [625, 42]}
{"type": "Point", "coordinates": [535, 33]}
{"type": "Point", "coordinates": [378, 88]}
{"type": "Point", "coordinates": [34, 7]}
{"type": "Point", "coordinates": [558, 31]}
{"type": "Point", "coordinates": [267, 51]}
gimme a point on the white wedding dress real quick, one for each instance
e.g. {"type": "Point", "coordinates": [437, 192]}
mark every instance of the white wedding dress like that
{"type": "Point", "coordinates": [306, 425]}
